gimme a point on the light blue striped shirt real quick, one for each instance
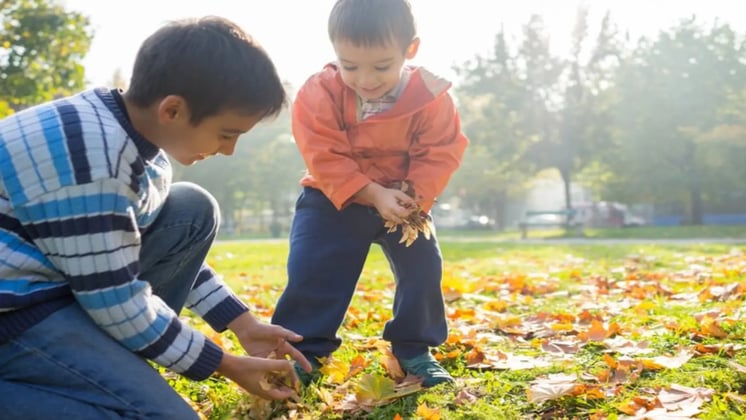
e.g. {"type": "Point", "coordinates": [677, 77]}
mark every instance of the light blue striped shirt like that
{"type": "Point", "coordinates": [78, 186]}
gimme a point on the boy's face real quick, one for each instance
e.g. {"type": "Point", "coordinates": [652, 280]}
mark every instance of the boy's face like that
{"type": "Point", "coordinates": [188, 143]}
{"type": "Point", "coordinates": [372, 71]}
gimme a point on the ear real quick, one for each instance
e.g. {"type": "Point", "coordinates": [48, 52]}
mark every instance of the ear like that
{"type": "Point", "coordinates": [172, 108]}
{"type": "Point", "coordinates": [412, 48]}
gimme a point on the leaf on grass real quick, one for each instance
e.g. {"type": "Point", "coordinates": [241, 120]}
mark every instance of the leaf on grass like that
{"type": "Point", "coordinates": [711, 328]}
{"type": "Point", "coordinates": [390, 363]}
{"type": "Point", "coordinates": [727, 349]}
{"type": "Point", "coordinates": [625, 346]}
{"type": "Point", "coordinates": [661, 362]}
{"type": "Point", "coordinates": [505, 361]}
{"type": "Point", "coordinates": [551, 388]}
{"type": "Point", "coordinates": [371, 389]}
{"type": "Point", "coordinates": [464, 397]}
{"type": "Point", "coordinates": [637, 405]}
{"type": "Point", "coordinates": [679, 397]}
{"type": "Point", "coordinates": [427, 413]}
{"type": "Point", "coordinates": [336, 371]}
{"type": "Point", "coordinates": [738, 367]}
{"type": "Point", "coordinates": [597, 331]}
{"type": "Point", "coordinates": [560, 347]}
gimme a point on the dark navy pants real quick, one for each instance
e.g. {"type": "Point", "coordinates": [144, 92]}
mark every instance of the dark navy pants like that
{"type": "Point", "coordinates": [328, 249]}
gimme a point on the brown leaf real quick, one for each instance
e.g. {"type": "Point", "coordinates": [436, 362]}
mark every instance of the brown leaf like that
{"type": "Point", "coordinates": [678, 397]}
{"type": "Point", "coordinates": [739, 368]}
{"type": "Point", "coordinates": [667, 362]}
{"type": "Point", "coordinates": [465, 397]}
{"type": "Point", "coordinates": [551, 388]}
{"type": "Point", "coordinates": [390, 363]}
{"type": "Point", "coordinates": [560, 347]}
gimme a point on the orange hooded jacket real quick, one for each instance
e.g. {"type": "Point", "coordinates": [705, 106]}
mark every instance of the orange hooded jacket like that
{"type": "Point", "coordinates": [419, 139]}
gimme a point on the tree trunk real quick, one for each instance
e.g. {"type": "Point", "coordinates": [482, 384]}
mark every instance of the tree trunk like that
{"type": "Point", "coordinates": [498, 209]}
{"type": "Point", "coordinates": [566, 181]}
{"type": "Point", "coordinates": [696, 213]}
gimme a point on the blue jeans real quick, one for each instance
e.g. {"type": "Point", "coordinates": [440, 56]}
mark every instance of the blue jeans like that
{"type": "Point", "coordinates": [67, 367]}
{"type": "Point", "coordinates": [328, 249]}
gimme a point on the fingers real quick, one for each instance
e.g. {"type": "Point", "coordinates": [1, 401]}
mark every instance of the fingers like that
{"type": "Point", "coordinates": [296, 355]}
{"type": "Point", "coordinates": [281, 393]}
{"type": "Point", "coordinates": [403, 198]}
{"type": "Point", "coordinates": [282, 333]}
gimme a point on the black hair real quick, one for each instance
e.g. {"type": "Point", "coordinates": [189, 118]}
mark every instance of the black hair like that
{"type": "Point", "coordinates": [210, 62]}
{"type": "Point", "coordinates": [372, 22]}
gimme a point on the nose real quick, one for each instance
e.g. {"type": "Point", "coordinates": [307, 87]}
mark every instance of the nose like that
{"type": "Point", "coordinates": [367, 80]}
{"type": "Point", "coordinates": [228, 147]}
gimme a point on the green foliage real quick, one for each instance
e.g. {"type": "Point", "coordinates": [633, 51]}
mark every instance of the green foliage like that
{"type": "Point", "coordinates": [526, 109]}
{"type": "Point", "coordinates": [41, 48]}
{"type": "Point", "coordinates": [674, 91]}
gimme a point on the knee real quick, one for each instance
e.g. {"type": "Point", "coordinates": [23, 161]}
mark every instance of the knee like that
{"type": "Point", "coordinates": [200, 202]}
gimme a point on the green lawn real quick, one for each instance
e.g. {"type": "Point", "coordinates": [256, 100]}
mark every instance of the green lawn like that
{"type": "Point", "coordinates": [631, 327]}
{"type": "Point", "coordinates": [643, 232]}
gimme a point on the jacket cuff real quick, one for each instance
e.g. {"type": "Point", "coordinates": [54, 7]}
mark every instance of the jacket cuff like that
{"type": "Point", "coordinates": [223, 313]}
{"type": "Point", "coordinates": [207, 362]}
{"type": "Point", "coordinates": [343, 195]}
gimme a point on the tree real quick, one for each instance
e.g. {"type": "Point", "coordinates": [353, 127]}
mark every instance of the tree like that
{"type": "Point", "coordinates": [491, 102]}
{"type": "Point", "coordinates": [571, 109]}
{"type": "Point", "coordinates": [41, 49]}
{"type": "Point", "coordinates": [672, 93]}
{"type": "Point", "coordinates": [529, 110]}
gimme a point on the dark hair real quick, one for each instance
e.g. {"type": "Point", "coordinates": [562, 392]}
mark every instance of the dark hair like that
{"type": "Point", "coordinates": [213, 64]}
{"type": "Point", "coordinates": [372, 22]}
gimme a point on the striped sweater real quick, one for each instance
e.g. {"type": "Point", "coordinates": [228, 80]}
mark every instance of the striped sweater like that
{"type": "Point", "coordinates": [78, 187]}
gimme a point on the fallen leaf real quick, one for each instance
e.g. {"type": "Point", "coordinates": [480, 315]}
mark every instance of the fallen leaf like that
{"type": "Point", "coordinates": [427, 413]}
{"type": "Point", "coordinates": [371, 389]}
{"type": "Point", "coordinates": [739, 368]}
{"type": "Point", "coordinates": [667, 362]}
{"type": "Point", "coordinates": [551, 388]}
{"type": "Point", "coordinates": [464, 397]}
{"type": "Point", "coordinates": [678, 397]}
{"type": "Point", "coordinates": [336, 371]}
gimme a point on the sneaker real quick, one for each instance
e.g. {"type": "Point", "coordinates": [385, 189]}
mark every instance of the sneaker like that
{"type": "Point", "coordinates": [426, 367]}
{"type": "Point", "coordinates": [307, 377]}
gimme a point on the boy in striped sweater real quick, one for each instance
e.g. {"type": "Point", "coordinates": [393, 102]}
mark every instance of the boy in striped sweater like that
{"type": "Point", "coordinates": [99, 251]}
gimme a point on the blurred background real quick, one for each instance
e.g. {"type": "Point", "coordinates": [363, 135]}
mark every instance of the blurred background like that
{"type": "Point", "coordinates": [604, 114]}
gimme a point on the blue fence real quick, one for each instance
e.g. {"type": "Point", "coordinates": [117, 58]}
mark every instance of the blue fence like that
{"type": "Point", "coordinates": [707, 219]}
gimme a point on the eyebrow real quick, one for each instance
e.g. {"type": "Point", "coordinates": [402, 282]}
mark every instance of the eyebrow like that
{"type": "Point", "coordinates": [384, 61]}
{"type": "Point", "coordinates": [233, 130]}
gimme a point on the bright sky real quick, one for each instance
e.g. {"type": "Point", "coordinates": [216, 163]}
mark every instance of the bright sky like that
{"type": "Point", "coordinates": [294, 31]}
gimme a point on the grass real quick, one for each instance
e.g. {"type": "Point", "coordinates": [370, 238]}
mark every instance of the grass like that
{"type": "Point", "coordinates": [515, 299]}
{"type": "Point", "coordinates": [642, 232]}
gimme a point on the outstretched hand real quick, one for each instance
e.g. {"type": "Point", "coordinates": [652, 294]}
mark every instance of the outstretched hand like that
{"type": "Point", "coordinates": [260, 340]}
{"type": "Point", "coordinates": [252, 374]}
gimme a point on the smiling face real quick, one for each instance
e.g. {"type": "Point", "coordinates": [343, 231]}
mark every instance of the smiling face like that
{"type": "Point", "coordinates": [188, 143]}
{"type": "Point", "coordinates": [372, 71]}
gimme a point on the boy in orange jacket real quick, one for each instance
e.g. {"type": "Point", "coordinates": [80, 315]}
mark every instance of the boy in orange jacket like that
{"type": "Point", "coordinates": [366, 126]}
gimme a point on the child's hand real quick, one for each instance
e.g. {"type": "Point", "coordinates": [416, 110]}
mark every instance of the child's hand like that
{"type": "Point", "coordinates": [251, 374]}
{"type": "Point", "coordinates": [392, 204]}
{"type": "Point", "coordinates": [260, 339]}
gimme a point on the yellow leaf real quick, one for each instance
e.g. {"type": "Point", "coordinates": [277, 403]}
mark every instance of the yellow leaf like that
{"type": "Point", "coordinates": [371, 389]}
{"type": "Point", "coordinates": [336, 371]}
{"type": "Point", "coordinates": [427, 413]}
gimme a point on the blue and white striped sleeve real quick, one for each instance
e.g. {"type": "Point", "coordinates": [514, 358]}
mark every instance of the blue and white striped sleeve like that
{"type": "Point", "coordinates": [213, 300]}
{"type": "Point", "coordinates": [89, 232]}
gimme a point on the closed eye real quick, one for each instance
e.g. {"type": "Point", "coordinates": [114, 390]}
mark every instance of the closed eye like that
{"type": "Point", "coordinates": [350, 68]}
{"type": "Point", "coordinates": [382, 68]}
